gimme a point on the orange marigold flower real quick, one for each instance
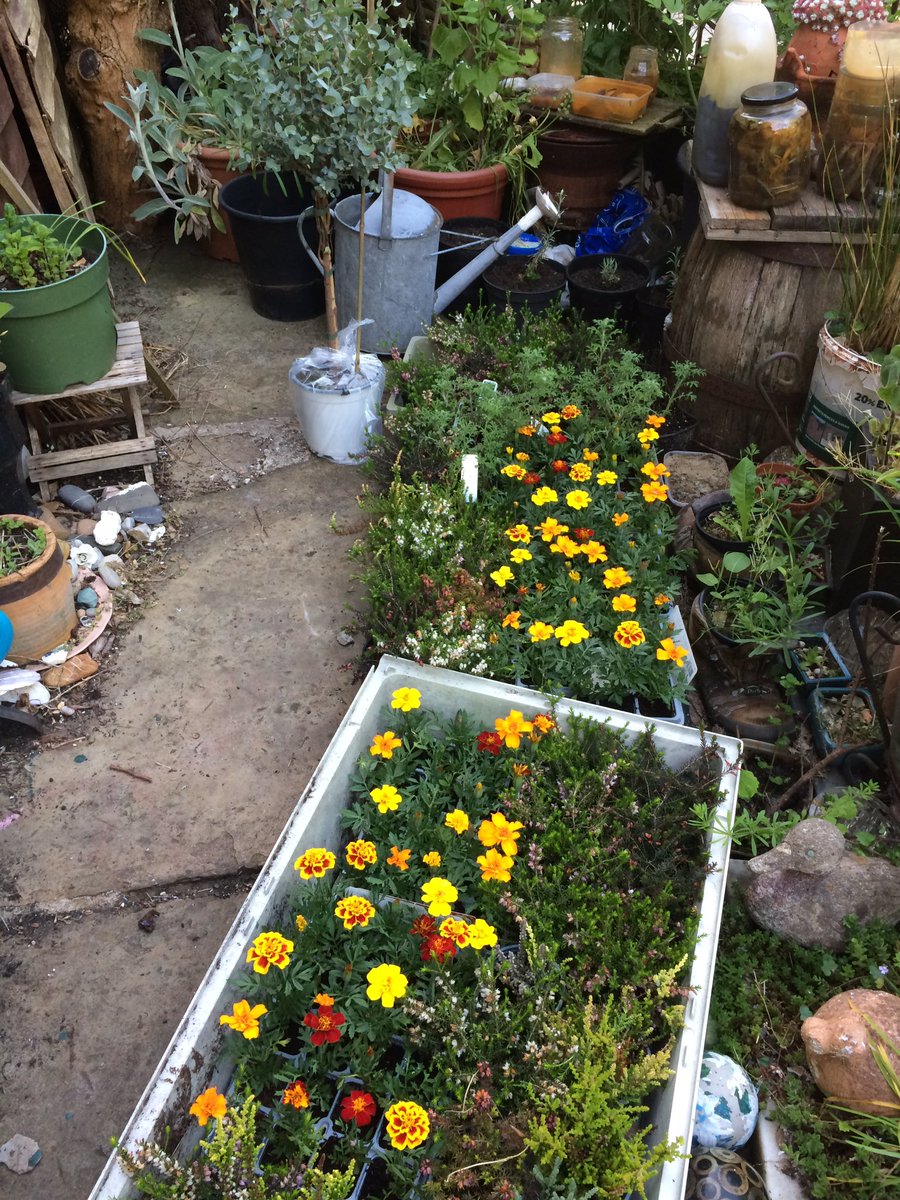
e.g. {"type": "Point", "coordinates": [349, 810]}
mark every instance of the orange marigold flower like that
{"type": "Point", "coordinates": [654, 470]}
{"type": "Point", "coordinates": [550, 528]}
{"type": "Point", "coordinates": [519, 533]}
{"type": "Point", "coordinates": [661, 600]}
{"type": "Point", "coordinates": [512, 728]}
{"type": "Point", "coordinates": [668, 650]}
{"type": "Point", "coordinates": [526, 430]}
{"type": "Point", "coordinates": [362, 854]}
{"type": "Point", "coordinates": [655, 421]}
{"type": "Point", "coordinates": [654, 491]}
{"type": "Point", "coordinates": [544, 722]}
{"type": "Point", "coordinates": [513, 471]}
{"type": "Point", "coordinates": [521, 769]}
{"type": "Point", "coordinates": [407, 1125]}
{"type": "Point", "coordinates": [296, 1094]}
{"type": "Point", "coordinates": [566, 546]}
{"type": "Point", "coordinates": [270, 950]}
{"type": "Point", "coordinates": [209, 1104]}
{"type": "Point", "coordinates": [354, 911]}
{"type": "Point", "coordinates": [495, 867]}
{"type": "Point", "coordinates": [384, 744]}
{"type": "Point", "coordinates": [629, 634]}
{"type": "Point", "coordinates": [399, 858]}
{"type": "Point", "coordinates": [624, 603]}
{"type": "Point", "coordinates": [456, 931]}
{"type": "Point", "coordinates": [594, 552]}
{"type": "Point", "coordinates": [312, 864]}
{"type": "Point", "coordinates": [570, 412]}
{"type": "Point", "coordinates": [539, 587]}
{"type": "Point", "coordinates": [244, 1019]}
{"type": "Point", "coordinates": [301, 922]}
{"type": "Point", "coordinates": [499, 831]}
{"type": "Point", "coordinates": [532, 478]}
{"type": "Point", "coordinates": [559, 465]}
{"type": "Point", "coordinates": [615, 577]}
{"type": "Point", "coordinates": [522, 456]}
{"type": "Point", "coordinates": [580, 472]}
{"type": "Point", "coordinates": [590, 455]}
{"type": "Point", "coordinates": [323, 1000]}
{"type": "Point", "coordinates": [511, 620]}
{"type": "Point", "coordinates": [620, 518]}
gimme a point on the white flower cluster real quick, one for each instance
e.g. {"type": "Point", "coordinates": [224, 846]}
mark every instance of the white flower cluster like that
{"type": "Point", "coordinates": [444, 645]}
{"type": "Point", "coordinates": [829, 16]}
{"type": "Point", "coordinates": [426, 531]}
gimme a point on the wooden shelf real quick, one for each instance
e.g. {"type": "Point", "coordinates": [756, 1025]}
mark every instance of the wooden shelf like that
{"type": "Point", "coordinates": [811, 219]}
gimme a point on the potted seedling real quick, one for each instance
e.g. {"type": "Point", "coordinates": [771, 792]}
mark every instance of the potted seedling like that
{"type": "Point", "coordinates": [606, 285]}
{"type": "Point", "coordinates": [35, 587]}
{"type": "Point", "coordinates": [531, 282]}
{"type": "Point", "coordinates": [725, 521]}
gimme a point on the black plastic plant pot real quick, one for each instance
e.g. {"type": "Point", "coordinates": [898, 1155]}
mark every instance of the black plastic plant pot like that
{"type": "Point", "coordinates": [678, 431]}
{"type": "Point", "coordinates": [507, 283]}
{"type": "Point", "coordinates": [704, 510]}
{"type": "Point", "coordinates": [834, 674]}
{"type": "Point", "coordinates": [461, 240]}
{"type": "Point", "coordinates": [671, 712]}
{"type": "Point", "coordinates": [595, 300]}
{"type": "Point", "coordinates": [651, 309]}
{"type": "Point", "coordinates": [702, 602]}
{"type": "Point", "coordinates": [825, 743]}
{"type": "Point", "coordinates": [263, 210]}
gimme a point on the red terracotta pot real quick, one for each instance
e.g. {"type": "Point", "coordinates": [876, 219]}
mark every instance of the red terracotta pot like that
{"type": "Point", "coordinates": [458, 193]}
{"type": "Point", "coordinates": [219, 245]}
{"type": "Point", "coordinates": [796, 507]}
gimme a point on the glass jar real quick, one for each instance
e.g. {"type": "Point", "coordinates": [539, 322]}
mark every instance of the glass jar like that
{"type": "Point", "coordinates": [642, 67]}
{"type": "Point", "coordinates": [770, 147]}
{"type": "Point", "coordinates": [562, 43]}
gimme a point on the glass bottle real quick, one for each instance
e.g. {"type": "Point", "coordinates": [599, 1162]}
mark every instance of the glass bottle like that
{"type": "Point", "coordinates": [562, 43]}
{"type": "Point", "coordinates": [642, 67]}
{"type": "Point", "coordinates": [770, 141]}
{"type": "Point", "coordinates": [742, 51]}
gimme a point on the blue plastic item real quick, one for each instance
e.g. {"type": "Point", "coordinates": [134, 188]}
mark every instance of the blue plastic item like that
{"type": "Point", "coordinates": [7, 633]}
{"type": "Point", "coordinates": [624, 214]}
{"type": "Point", "coordinates": [527, 244]}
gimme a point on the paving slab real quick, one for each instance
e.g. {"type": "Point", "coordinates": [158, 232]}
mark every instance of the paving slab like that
{"type": "Point", "coordinates": [89, 1007]}
{"type": "Point", "coordinates": [224, 695]}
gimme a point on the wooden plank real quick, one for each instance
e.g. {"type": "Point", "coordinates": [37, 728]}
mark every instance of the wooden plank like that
{"type": "Point", "coordinates": [788, 236]}
{"type": "Point", "coordinates": [14, 190]}
{"type": "Point", "coordinates": [57, 464]}
{"type": "Point", "coordinates": [723, 214]}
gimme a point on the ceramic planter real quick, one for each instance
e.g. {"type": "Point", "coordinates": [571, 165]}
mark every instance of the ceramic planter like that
{"type": "Point", "coordinates": [220, 244]}
{"type": "Point", "coordinates": [38, 600]}
{"type": "Point", "coordinates": [824, 739]}
{"type": "Point", "coordinates": [196, 1057]}
{"type": "Point", "coordinates": [458, 193]}
{"type": "Point", "coordinates": [62, 333]}
{"type": "Point", "coordinates": [833, 675]}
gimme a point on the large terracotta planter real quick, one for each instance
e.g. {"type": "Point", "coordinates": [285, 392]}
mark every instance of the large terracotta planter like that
{"type": "Point", "coordinates": [812, 61]}
{"type": "Point", "coordinates": [38, 600]}
{"type": "Point", "coordinates": [458, 193]}
{"type": "Point", "coordinates": [220, 245]}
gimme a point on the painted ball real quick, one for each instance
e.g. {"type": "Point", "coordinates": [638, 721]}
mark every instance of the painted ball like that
{"type": "Point", "coordinates": [723, 1175]}
{"type": "Point", "coordinates": [727, 1104]}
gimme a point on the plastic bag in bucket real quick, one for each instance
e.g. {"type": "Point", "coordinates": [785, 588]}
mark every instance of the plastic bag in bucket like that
{"type": "Point", "coordinates": [338, 408]}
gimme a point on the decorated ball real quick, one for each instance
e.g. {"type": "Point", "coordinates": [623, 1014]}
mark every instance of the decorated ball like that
{"type": "Point", "coordinates": [727, 1104]}
{"type": "Point", "coordinates": [723, 1175]}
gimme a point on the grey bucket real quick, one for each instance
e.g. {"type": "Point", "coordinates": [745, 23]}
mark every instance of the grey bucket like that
{"type": "Point", "coordinates": [398, 278]}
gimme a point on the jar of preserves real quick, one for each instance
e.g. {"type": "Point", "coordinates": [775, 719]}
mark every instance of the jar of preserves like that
{"type": "Point", "coordinates": [562, 44]}
{"type": "Point", "coordinates": [770, 147]}
{"type": "Point", "coordinates": [642, 67]}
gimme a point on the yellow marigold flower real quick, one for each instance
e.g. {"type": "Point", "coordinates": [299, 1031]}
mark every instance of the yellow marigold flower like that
{"type": "Point", "coordinates": [502, 576]}
{"type": "Point", "coordinates": [551, 418]}
{"type": "Point", "coordinates": [594, 551]}
{"type": "Point", "coordinates": [543, 495]}
{"type": "Point", "coordinates": [301, 922]}
{"type": "Point", "coordinates": [605, 478]}
{"type": "Point", "coordinates": [431, 859]}
{"type": "Point", "coordinates": [499, 831]}
{"type": "Point", "coordinates": [575, 576]}
{"type": "Point", "coordinates": [540, 631]}
{"type": "Point", "coordinates": [519, 533]}
{"type": "Point", "coordinates": [362, 854]}
{"type": "Point", "coordinates": [522, 456]}
{"type": "Point", "coordinates": [509, 450]}
{"type": "Point", "coordinates": [482, 935]}
{"type": "Point", "coordinates": [570, 412]}
{"type": "Point", "coordinates": [620, 518]}
{"type": "Point", "coordinates": [654, 491]}
{"type": "Point", "coordinates": [387, 798]}
{"type": "Point", "coordinates": [544, 722]}
{"type": "Point", "coordinates": [629, 634]}
{"type": "Point", "coordinates": [615, 577]}
{"type": "Point", "coordinates": [354, 910]}
{"type": "Point", "coordinates": [456, 931]}
{"type": "Point", "coordinates": [439, 895]}
{"type": "Point", "coordinates": [512, 728]}
{"type": "Point", "coordinates": [384, 744]}
{"type": "Point", "coordinates": [270, 950]}
{"type": "Point", "coordinates": [407, 1125]}
{"type": "Point", "coordinates": [296, 1095]}
{"type": "Point", "coordinates": [244, 1019]}
{"type": "Point", "coordinates": [312, 864]}
{"type": "Point", "coordinates": [580, 472]}
{"type": "Point", "coordinates": [526, 430]}
{"type": "Point", "coordinates": [590, 455]}
{"type": "Point", "coordinates": [406, 699]}
{"type": "Point", "coordinates": [539, 587]}
{"type": "Point", "coordinates": [646, 436]}
{"type": "Point", "coordinates": [209, 1104]}
{"type": "Point", "coordinates": [669, 651]}
{"type": "Point", "coordinates": [661, 600]}
{"type": "Point", "coordinates": [457, 820]}
{"type": "Point", "coordinates": [624, 603]}
{"type": "Point", "coordinates": [520, 555]}
{"type": "Point", "coordinates": [495, 867]}
{"type": "Point", "coordinates": [654, 470]}
{"type": "Point", "coordinates": [387, 983]}
{"type": "Point", "coordinates": [655, 421]}
{"type": "Point", "coordinates": [565, 545]}
{"type": "Point", "coordinates": [520, 769]}
{"type": "Point", "coordinates": [570, 633]}
{"type": "Point", "coordinates": [578, 499]}
{"type": "Point", "coordinates": [493, 639]}
{"type": "Point", "coordinates": [399, 858]}
{"type": "Point", "coordinates": [513, 471]}
{"type": "Point", "coordinates": [550, 528]}
{"type": "Point", "coordinates": [511, 620]}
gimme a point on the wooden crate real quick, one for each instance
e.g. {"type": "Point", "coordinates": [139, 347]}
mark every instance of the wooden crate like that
{"type": "Point", "coordinates": [812, 218]}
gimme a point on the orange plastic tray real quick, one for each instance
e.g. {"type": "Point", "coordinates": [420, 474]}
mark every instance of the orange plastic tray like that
{"type": "Point", "coordinates": [609, 99]}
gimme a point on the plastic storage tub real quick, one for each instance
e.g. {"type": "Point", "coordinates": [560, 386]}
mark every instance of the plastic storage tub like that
{"type": "Point", "coordinates": [609, 99]}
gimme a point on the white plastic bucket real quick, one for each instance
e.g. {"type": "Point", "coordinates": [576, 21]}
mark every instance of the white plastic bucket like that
{"type": "Point", "coordinates": [843, 398]}
{"type": "Point", "coordinates": [338, 422]}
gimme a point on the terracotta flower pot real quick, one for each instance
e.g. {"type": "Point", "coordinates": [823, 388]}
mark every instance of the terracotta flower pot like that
{"type": "Point", "coordinates": [811, 61]}
{"type": "Point", "coordinates": [220, 245]}
{"type": "Point", "coordinates": [774, 470]}
{"type": "Point", "coordinates": [458, 193]}
{"type": "Point", "coordinates": [38, 600]}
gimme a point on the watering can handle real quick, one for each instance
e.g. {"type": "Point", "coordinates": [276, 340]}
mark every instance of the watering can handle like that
{"type": "Point", "coordinates": [307, 212]}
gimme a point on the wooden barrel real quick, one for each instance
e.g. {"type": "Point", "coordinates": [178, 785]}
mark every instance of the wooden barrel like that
{"type": "Point", "coordinates": [736, 304]}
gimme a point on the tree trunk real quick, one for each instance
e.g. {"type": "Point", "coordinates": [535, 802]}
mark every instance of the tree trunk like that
{"type": "Point", "coordinates": [104, 52]}
{"type": "Point", "coordinates": [323, 226]}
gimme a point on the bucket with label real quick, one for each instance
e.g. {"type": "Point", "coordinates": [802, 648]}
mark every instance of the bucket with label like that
{"type": "Point", "coordinates": [843, 398]}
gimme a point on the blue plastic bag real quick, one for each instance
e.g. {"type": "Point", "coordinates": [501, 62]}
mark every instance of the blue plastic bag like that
{"type": "Point", "coordinates": [624, 214]}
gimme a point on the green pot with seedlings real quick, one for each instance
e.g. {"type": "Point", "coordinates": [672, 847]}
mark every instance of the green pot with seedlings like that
{"type": "Point", "coordinates": [53, 273]}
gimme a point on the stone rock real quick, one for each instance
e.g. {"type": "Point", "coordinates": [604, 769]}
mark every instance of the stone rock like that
{"type": "Point", "coordinates": [110, 576]}
{"type": "Point", "coordinates": [107, 528]}
{"type": "Point", "coordinates": [344, 638]}
{"type": "Point", "coordinates": [77, 498]}
{"type": "Point", "coordinates": [85, 527]}
{"type": "Point", "coordinates": [839, 1038]}
{"type": "Point", "coordinates": [82, 666]}
{"type": "Point", "coordinates": [138, 495]}
{"type": "Point", "coordinates": [87, 598]}
{"type": "Point", "coordinates": [723, 1175]}
{"type": "Point", "coordinates": [805, 888]}
{"type": "Point", "coordinates": [727, 1104]}
{"type": "Point", "coordinates": [151, 514]}
{"type": "Point", "coordinates": [21, 1154]}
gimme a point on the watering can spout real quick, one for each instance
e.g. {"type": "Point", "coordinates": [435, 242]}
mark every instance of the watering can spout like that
{"type": "Point", "coordinates": [544, 208]}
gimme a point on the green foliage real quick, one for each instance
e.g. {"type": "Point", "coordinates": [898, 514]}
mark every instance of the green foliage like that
{"type": "Point", "coordinates": [743, 483]}
{"type": "Point", "coordinates": [551, 1186]}
{"type": "Point", "coordinates": [19, 545]}
{"type": "Point", "coordinates": [31, 253]}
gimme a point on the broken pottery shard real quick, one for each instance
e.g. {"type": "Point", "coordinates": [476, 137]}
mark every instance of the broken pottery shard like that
{"type": "Point", "coordinates": [138, 495]}
{"type": "Point", "coordinates": [107, 528]}
{"type": "Point", "coordinates": [21, 1154]}
{"type": "Point", "coordinates": [82, 666]}
{"type": "Point", "coordinates": [76, 498]}
{"type": "Point", "coordinates": [15, 681]}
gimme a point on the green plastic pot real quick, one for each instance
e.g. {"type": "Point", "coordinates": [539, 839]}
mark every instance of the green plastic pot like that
{"type": "Point", "coordinates": [62, 333]}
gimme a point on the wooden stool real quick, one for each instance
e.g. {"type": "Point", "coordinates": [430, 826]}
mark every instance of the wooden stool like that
{"type": "Point", "coordinates": [128, 370]}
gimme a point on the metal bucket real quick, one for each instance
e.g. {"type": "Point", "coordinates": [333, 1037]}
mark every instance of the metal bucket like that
{"type": "Point", "coordinates": [398, 278]}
